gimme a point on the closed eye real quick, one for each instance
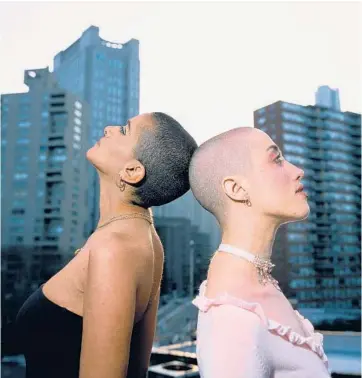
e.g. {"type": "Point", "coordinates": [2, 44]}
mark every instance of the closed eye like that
{"type": "Point", "coordinates": [122, 130]}
{"type": "Point", "coordinates": [279, 159]}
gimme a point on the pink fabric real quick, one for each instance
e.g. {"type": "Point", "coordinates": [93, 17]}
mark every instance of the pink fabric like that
{"type": "Point", "coordinates": [236, 340]}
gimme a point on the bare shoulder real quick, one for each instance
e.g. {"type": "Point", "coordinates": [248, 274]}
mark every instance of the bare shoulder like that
{"type": "Point", "coordinates": [122, 248]}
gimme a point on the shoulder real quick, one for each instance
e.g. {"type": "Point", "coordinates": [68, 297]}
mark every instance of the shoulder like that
{"type": "Point", "coordinates": [121, 249]}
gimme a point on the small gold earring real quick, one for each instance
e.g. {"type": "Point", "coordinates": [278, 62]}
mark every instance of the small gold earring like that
{"type": "Point", "coordinates": [121, 185]}
{"type": "Point", "coordinates": [247, 201]}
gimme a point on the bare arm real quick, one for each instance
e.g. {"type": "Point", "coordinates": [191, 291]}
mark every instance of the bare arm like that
{"type": "Point", "coordinates": [143, 337]}
{"type": "Point", "coordinates": [109, 308]}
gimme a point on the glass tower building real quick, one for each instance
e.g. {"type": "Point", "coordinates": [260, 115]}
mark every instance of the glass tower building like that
{"type": "Point", "coordinates": [44, 170]}
{"type": "Point", "coordinates": [105, 75]}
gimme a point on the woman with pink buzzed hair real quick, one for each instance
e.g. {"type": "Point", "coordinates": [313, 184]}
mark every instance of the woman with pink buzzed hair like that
{"type": "Point", "coordinates": [246, 326]}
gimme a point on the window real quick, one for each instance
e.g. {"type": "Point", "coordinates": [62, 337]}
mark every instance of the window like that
{"type": "Point", "coordinates": [335, 115]}
{"type": "Point", "coordinates": [24, 124]}
{"type": "Point", "coordinates": [338, 164]}
{"type": "Point", "coordinates": [22, 141]}
{"type": "Point", "coordinates": [294, 138]}
{"type": "Point", "coordinates": [295, 237]}
{"type": "Point", "coordinates": [78, 105]}
{"type": "Point", "coordinates": [292, 107]}
{"type": "Point", "coordinates": [334, 135]}
{"type": "Point", "coordinates": [294, 148]}
{"type": "Point", "coordinates": [20, 176]}
{"type": "Point", "coordinates": [294, 127]}
{"type": "Point", "coordinates": [100, 56]}
{"type": "Point", "coordinates": [294, 117]}
{"type": "Point", "coordinates": [294, 159]}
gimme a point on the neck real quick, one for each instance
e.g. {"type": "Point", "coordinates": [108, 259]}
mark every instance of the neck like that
{"type": "Point", "coordinates": [113, 202]}
{"type": "Point", "coordinates": [254, 234]}
{"type": "Point", "coordinates": [251, 233]}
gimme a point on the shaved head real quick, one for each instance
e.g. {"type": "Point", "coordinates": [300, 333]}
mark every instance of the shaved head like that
{"type": "Point", "coordinates": [224, 155]}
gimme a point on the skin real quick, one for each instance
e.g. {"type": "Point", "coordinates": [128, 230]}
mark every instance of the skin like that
{"type": "Point", "coordinates": [271, 186]}
{"type": "Point", "coordinates": [111, 282]}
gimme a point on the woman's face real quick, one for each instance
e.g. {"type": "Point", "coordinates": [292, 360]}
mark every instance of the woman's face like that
{"type": "Point", "coordinates": [274, 182]}
{"type": "Point", "coordinates": [117, 146]}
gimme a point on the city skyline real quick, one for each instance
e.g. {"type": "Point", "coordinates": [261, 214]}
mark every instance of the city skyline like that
{"type": "Point", "coordinates": [197, 74]}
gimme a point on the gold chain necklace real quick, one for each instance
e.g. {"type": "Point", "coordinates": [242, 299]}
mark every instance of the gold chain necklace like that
{"type": "Point", "coordinates": [121, 217]}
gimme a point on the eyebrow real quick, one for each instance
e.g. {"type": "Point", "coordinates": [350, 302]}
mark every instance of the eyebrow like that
{"type": "Point", "coordinates": [274, 147]}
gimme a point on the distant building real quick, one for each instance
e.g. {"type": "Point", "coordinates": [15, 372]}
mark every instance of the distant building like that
{"type": "Point", "coordinates": [318, 261]}
{"type": "Point", "coordinates": [188, 207]}
{"type": "Point", "coordinates": [175, 234]}
{"type": "Point", "coordinates": [106, 75]}
{"type": "Point", "coordinates": [44, 170]}
{"type": "Point", "coordinates": [328, 98]}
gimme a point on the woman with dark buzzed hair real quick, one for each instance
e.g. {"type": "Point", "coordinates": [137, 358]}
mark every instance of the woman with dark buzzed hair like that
{"type": "Point", "coordinates": [97, 316]}
{"type": "Point", "coordinates": [246, 326]}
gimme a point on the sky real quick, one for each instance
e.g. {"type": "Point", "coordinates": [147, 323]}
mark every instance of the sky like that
{"type": "Point", "coordinates": [208, 64]}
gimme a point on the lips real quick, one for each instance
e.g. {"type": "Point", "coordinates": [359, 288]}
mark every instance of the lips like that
{"type": "Point", "coordinates": [300, 189]}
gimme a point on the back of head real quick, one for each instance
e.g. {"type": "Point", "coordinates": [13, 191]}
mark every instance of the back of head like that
{"type": "Point", "coordinates": [165, 151]}
{"type": "Point", "coordinates": [223, 155]}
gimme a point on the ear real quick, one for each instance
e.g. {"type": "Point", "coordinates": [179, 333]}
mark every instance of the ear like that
{"type": "Point", "coordinates": [233, 188]}
{"type": "Point", "coordinates": [133, 172]}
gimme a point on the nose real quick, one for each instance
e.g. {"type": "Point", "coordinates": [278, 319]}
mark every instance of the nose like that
{"type": "Point", "coordinates": [300, 174]}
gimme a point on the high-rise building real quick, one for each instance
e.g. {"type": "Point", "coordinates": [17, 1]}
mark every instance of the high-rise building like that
{"type": "Point", "coordinates": [328, 98]}
{"type": "Point", "coordinates": [44, 169]}
{"type": "Point", "coordinates": [187, 207]}
{"type": "Point", "coordinates": [176, 236]}
{"type": "Point", "coordinates": [318, 260]}
{"type": "Point", "coordinates": [105, 75]}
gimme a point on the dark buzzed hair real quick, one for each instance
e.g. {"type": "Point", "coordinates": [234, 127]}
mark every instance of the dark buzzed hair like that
{"type": "Point", "coordinates": [165, 151]}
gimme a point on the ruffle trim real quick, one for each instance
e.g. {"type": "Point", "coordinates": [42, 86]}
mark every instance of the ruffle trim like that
{"type": "Point", "coordinates": [314, 342]}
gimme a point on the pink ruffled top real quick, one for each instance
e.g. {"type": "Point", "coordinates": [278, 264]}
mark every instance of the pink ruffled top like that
{"type": "Point", "coordinates": [236, 339]}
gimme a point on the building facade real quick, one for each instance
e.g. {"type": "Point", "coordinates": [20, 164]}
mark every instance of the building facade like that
{"type": "Point", "coordinates": [44, 171]}
{"type": "Point", "coordinates": [328, 98]}
{"type": "Point", "coordinates": [318, 260]}
{"type": "Point", "coordinates": [106, 76]}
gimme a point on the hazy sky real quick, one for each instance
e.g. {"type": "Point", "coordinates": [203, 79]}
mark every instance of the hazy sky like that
{"type": "Point", "coordinates": [207, 64]}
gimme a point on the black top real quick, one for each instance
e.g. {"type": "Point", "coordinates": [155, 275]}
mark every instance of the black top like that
{"type": "Point", "coordinates": [50, 337]}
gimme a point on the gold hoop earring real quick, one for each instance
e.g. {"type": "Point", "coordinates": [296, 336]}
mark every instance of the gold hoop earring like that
{"type": "Point", "coordinates": [121, 185]}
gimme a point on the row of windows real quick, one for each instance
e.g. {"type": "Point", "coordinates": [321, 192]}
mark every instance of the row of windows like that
{"type": "Point", "coordinates": [329, 195]}
{"type": "Point", "coordinates": [301, 260]}
{"type": "Point", "coordinates": [303, 283]}
{"type": "Point", "coordinates": [328, 294]}
{"type": "Point", "coordinates": [295, 159]}
{"type": "Point", "coordinates": [300, 248]}
{"type": "Point", "coordinates": [328, 145]}
{"type": "Point", "coordinates": [341, 165]}
{"type": "Point", "coordinates": [295, 118]}
{"type": "Point", "coordinates": [298, 109]}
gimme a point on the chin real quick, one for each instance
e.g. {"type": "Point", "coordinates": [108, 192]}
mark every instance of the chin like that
{"type": "Point", "coordinates": [91, 154]}
{"type": "Point", "coordinates": [301, 214]}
